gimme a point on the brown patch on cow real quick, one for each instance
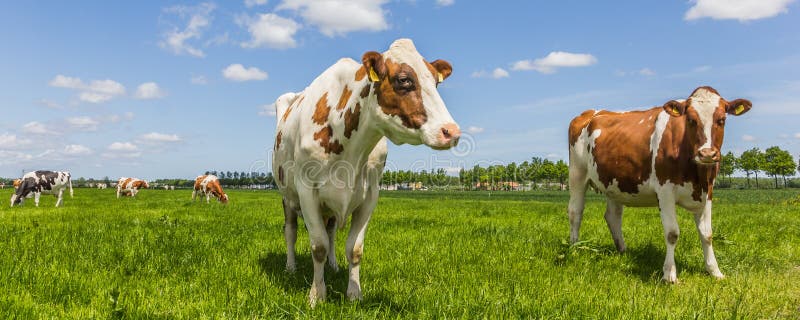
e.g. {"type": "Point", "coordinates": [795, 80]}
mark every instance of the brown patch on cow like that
{"type": "Point", "coordinates": [139, 184]}
{"type": "Point", "coordinates": [326, 141]}
{"type": "Point", "coordinates": [361, 73]}
{"type": "Point", "coordinates": [346, 93]}
{"type": "Point", "coordinates": [292, 106]}
{"type": "Point", "coordinates": [365, 91]}
{"type": "Point", "coordinates": [622, 151]}
{"type": "Point", "coordinates": [17, 183]}
{"type": "Point", "coordinates": [672, 237]}
{"type": "Point", "coordinates": [126, 182]}
{"type": "Point", "coordinates": [404, 103]}
{"type": "Point", "coordinates": [278, 140]}
{"type": "Point", "coordinates": [351, 118]}
{"type": "Point", "coordinates": [198, 181]}
{"type": "Point", "coordinates": [322, 110]}
{"type": "Point", "coordinates": [577, 125]}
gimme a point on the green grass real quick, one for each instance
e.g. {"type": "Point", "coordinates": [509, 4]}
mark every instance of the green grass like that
{"type": "Point", "coordinates": [427, 255]}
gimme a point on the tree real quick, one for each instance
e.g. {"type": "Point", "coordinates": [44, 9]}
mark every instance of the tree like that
{"type": "Point", "coordinates": [751, 161]}
{"type": "Point", "coordinates": [778, 162]}
{"type": "Point", "coordinates": [727, 165]}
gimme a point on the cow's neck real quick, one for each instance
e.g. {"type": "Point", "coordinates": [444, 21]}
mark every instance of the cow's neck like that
{"type": "Point", "coordinates": [363, 139]}
{"type": "Point", "coordinates": [701, 177]}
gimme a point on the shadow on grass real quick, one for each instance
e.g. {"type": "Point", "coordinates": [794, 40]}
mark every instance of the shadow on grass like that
{"type": "Point", "coordinates": [273, 265]}
{"type": "Point", "coordinates": [648, 262]}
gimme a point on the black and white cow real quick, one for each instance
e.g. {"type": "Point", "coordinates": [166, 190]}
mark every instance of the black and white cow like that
{"type": "Point", "coordinates": [47, 182]}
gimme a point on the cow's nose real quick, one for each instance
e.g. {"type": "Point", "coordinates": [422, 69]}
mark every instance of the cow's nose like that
{"type": "Point", "coordinates": [450, 134]}
{"type": "Point", "coordinates": [709, 155]}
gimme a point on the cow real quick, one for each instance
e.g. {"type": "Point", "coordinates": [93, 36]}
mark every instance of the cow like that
{"type": "Point", "coordinates": [130, 186]}
{"type": "Point", "coordinates": [102, 185]}
{"type": "Point", "coordinates": [43, 182]}
{"type": "Point", "coordinates": [330, 147]}
{"type": "Point", "coordinates": [661, 157]}
{"type": "Point", "coordinates": [209, 186]}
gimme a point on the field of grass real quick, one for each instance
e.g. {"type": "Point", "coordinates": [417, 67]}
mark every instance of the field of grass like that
{"type": "Point", "coordinates": [427, 255]}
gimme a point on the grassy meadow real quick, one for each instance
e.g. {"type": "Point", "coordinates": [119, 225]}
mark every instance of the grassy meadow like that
{"type": "Point", "coordinates": [427, 255]}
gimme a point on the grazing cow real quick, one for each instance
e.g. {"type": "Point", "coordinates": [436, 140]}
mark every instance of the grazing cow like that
{"type": "Point", "coordinates": [42, 182]}
{"type": "Point", "coordinates": [663, 157]}
{"type": "Point", "coordinates": [209, 186]}
{"type": "Point", "coordinates": [130, 186]}
{"type": "Point", "coordinates": [102, 185]}
{"type": "Point", "coordinates": [330, 146]}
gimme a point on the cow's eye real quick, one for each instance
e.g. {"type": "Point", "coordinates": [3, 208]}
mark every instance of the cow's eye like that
{"type": "Point", "coordinates": [691, 122]}
{"type": "Point", "coordinates": [721, 122]}
{"type": "Point", "coordinates": [405, 82]}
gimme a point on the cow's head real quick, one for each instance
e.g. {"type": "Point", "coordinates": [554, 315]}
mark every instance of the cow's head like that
{"type": "Point", "coordinates": [224, 198]}
{"type": "Point", "coordinates": [22, 191]}
{"type": "Point", "coordinates": [409, 105]}
{"type": "Point", "coordinates": [704, 113]}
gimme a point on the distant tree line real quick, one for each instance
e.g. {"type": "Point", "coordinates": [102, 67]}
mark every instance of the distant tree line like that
{"type": "Point", "coordinates": [774, 162]}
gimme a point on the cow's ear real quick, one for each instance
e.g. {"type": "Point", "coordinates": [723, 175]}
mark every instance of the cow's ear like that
{"type": "Point", "coordinates": [738, 107]}
{"type": "Point", "coordinates": [443, 69]}
{"type": "Point", "coordinates": [675, 108]}
{"type": "Point", "coordinates": [373, 62]}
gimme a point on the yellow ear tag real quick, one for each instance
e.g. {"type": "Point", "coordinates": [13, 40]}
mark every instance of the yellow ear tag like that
{"type": "Point", "coordinates": [441, 77]}
{"type": "Point", "coordinates": [373, 76]}
{"type": "Point", "coordinates": [675, 111]}
{"type": "Point", "coordinates": [739, 109]}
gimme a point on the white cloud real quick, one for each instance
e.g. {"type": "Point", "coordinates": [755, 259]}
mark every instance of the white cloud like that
{"type": "Point", "coordinates": [497, 73]}
{"type": "Point", "coordinates": [160, 137]}
{"type": "Point", "coordinates": [474, 129]}
{"type": "Point", "coordinates": [270, 30]}
{"type": "Point", "coordinates": [10, 141]}
{"type": "Point", "coordinates": [748, 138]}
{"type": "Point", "coordinates": [97, 91]}
{"type": "Point", "coordinates": [83, 123]}
{"type": "Point", "coordinates": [237, 72]}
{"type": "Point", "coordinates": [50, 104]}
{"type": "Point", "coordinates": [199, 80]}
{"type": "Point", "coordinates": [445, 3]}
{"type": "Point", "coordinates": [553, 156]}
{"type": "Point", "coordinates": [339, 17]}
{"type": "Point", "coordinates": [177, 40]}
{"type": "Point", "coordinates": [76, 149]}
{"type": "Point", "coordinates": [646, 72]}
{"type": "Point", "coordinates": [267, 110]}
{"type": "Point", "coordinates": [149, 90]}
{"type": "Point", "coordinates": [35, 127]}
{"type": "Point", "coordinates": [555, 60]}
{"type": "Point", "coordinates": [742, 10]}
{"type": "Point", "coordinates": [123, 146]}
{"type": "Point", "coordinates": [797, 135]}
{"type": "Point", "coordinates": [253, 3]}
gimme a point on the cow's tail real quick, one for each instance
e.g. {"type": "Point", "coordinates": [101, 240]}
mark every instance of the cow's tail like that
{"type": "Point", "coordinates": [283, 103]}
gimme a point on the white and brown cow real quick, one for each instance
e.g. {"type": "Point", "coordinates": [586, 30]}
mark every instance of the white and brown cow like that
{"type": "Point", "coordinates": [130, 186]}
{"type": "Point", "coordinates": [330, 146]}
{"type": "Point", "coordinates": [209, 186]}
{"type": "Point", "coordinates": [42, 182]}
{"type": "Point", "coordinates": [662, 157]}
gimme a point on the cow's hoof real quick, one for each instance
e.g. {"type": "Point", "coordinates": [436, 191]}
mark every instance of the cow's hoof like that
{"type": "Point", "coordinates": [717, 275]}
{"type": "Point", "coordinates": [316, 296]}
{"type": "Point", "coordinates": [354, 294]}
{"type": "Point", "coordinates": [291, 268]}
{"type": "Point", "coordinates": [671, 279]}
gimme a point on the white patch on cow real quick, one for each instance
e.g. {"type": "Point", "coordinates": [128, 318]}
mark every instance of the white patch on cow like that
{"type": "Point", "coordinates": [705, 102]}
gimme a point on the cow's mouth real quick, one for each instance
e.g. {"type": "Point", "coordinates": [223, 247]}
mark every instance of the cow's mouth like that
{"type": "Point", "coordinates": [706, 162]}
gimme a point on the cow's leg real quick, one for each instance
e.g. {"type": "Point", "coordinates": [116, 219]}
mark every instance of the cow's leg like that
{"type": "Point", "coordinates": [60, 200]}
{"type": "Point", "coordinates": [312, 216]}
{"type": "Point", "coordinates": [671, 232]}
{"type": "Point", "coordinates": [355, 242]}
{"type": "Point", "coordinates": [133, 192]}
{"type": "Point", "coordinates": [119, 190]}
{"type": "Point", "coordinates": [194, 195]}
{"type": "Point", "coordinates": [290, 234]}
{"type": "Point", "coordinates": [330, 227]}
{"type": "Point", "coordinates": [577, 192]}
{"type": "Point", "coordinates": [36, 196]}
{"type": "Point", "coordinates": [614, 221]}
{"type": "Point", "coordinates": [702, 219]}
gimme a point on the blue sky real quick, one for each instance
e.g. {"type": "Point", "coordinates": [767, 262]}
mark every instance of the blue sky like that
{"type": "Point", "coordinates": [171, 89]}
